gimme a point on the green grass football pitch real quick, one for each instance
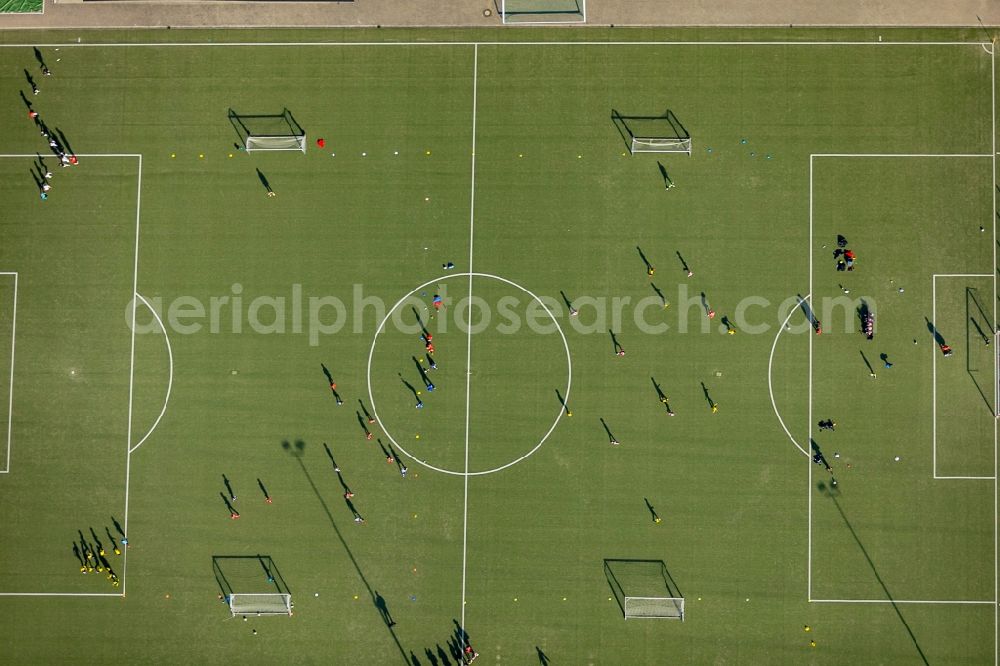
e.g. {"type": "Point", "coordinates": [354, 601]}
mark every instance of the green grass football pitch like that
{"type": "Point", "coordinates": [504, 159]}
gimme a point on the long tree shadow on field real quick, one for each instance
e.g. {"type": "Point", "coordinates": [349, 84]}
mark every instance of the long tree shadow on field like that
{"type": "Point", "coordinates": [833, 493]}
{"type": "Point", "coordinates": [296, 452]}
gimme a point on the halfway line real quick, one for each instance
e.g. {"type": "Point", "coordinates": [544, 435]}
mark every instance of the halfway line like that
{"type": "Point", "coordinates": [468, 347]}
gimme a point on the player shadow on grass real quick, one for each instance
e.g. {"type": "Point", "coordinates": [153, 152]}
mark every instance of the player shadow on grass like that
{"type": "Point", "coordinates": [833, 493]}
{"type": "Point", "coordinates": [38, 180]}
{"type": "Point", "coordinates": [423, 374]}
{"type": "Point", "coordinates": [264, 181]}
{"type": "Point", "coordinates": [684, 265]}
{"type": "Point", "coordinates": [661, 396]}
{"type": "Point", "coordinates": [708, 398]}
{"type": "Point", "coordinates": [420, 322]}
{"type": "Point", "coordinates": [808, 311]}
{"type": "Point", "coordinates": [297, 453]}
{"type": "Point", "coordinates": [645, 261]}
{"type": "Point", "coordinates": [64, 142]}
{"type": "Point", "coordinates": [659, 293]}
{"type": "Point", "coordinates": [667, 180]}
{"type": "Point", "coordinates": [562, 401]}
{"type": "Point", "coordinates": [329, 454]}
{"type": "Point", "coordinates": [611, 437]}
{"type": "Point", "coordinates": [932, 329]}
{"type": "Point", "coordinates": [615, 345]}
{"type": "Point", "coordinates": [982, 335]}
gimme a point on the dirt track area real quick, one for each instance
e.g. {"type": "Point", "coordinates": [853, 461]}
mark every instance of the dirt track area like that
{"type": "Point", "coordinates": [483, 13]}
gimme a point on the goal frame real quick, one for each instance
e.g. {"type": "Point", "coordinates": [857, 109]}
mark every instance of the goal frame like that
{"type": "Point", "coordinates": [509, 16]}
{"type": "Point", "coordinates": [676, 140]}
{"type": "Point", "coordinates": [256, 143]}
{"type": "Point", "coordinates": [286, 604]}
{"type": "Point", "coordinates": [677, 602]}
{"type": "Point", "coordinates": [640, 580]}
{"type": "Point", "coordinates": [257, 130]}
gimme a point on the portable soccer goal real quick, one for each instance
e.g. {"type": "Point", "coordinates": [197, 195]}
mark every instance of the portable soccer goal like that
{"type": "Point", "coordinates": [653, 134]}
{"type": "Point", "coordinates": [644, 589]}
{"type": "Point", "coordinates": [252, 585]}
{"type": "Point", "coordinates": [269, 132]}
{"type": "Point", "coordinates": [260, 604]}
{"type": "Point", "coordinates": [543, 11]}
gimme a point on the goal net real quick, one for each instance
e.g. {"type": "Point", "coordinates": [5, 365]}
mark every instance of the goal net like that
{"type": "Point", "coordinates": [543, 11]}
{"type": "Point", "coordinates": [644, 589]}
{"type": "Point", "coordinates": [653, 134]}
{"type": "Point", "coordinates": [254, 142]}
{"type": "Point", "coordinates": [251, 585]}
{"type": "Point", "coordinates": [260, 604]}
{"type": "Point", "coordinates": [654, 607]}
{"type": "Point", "coordinates": [269, 132]}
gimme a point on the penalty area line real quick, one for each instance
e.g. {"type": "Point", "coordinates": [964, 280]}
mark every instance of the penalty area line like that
{"type": "Point", "coordinates": [62, 594]}
{"type": "Point", "coordinates": [10, 390]}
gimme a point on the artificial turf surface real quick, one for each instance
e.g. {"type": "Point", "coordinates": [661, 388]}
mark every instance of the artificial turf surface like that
{"type": "Point", "coordinates": [554, 204]}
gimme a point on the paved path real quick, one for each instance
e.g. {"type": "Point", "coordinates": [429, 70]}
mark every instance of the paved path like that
{"type": "Point", "coordinates": [470, 13]}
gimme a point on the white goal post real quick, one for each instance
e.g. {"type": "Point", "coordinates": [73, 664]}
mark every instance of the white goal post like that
{"type": "Point", "coordinates": [259, 143]}
{"type": "Point", "coordinates": [653, 134]}
{"type": "Point", "coordinates": [260, 604]}
{"type": "Point", "coordinates": [660, 608]}
{"type": "Point", "coordinates": [661, 145]}
{"type": "Point", "coordinates": [269, 132]}
{"type": "Point", "coordinates": [644, 589]}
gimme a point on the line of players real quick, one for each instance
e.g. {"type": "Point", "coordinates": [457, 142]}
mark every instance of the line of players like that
{"type": "Point", "coordinates": [92, 558]}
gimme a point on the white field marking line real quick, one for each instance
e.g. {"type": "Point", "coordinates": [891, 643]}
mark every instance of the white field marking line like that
{"type": "Point", "coordinates": [62, 594]}
{"type": "Point", "coordinates": [934, 277]}
{"type": "Point", "coordinates": [904, 601]}
{"type": "Point", "coordinates": [996, 363]}
{"type": "Point", "coordinates": [10, 392]}
{"type": "Point", "coordinates": [131, 370]}
{"type": "Point", "coordinates": [468, 347]}
{"type": "Point", "coordinates": [770, 382]}
{"type": "Point", "coordinates": [559, 413]}
{"type": "Point", "coordinates": [35, 155]}
{"type": "Point", "coordinates": [991, 478]}
{"type": "Point", "coordinates": [809, 411]}
{"type": "Point", "coordinates": [937, 275]}
{"type": "Point", "coordinates": [996, 529]}
{"type": "Point", "coordinates": [128, 456]}
{"type": "Point", "coordinates": [900, 155]}
{"type": "Point", "coordinates": [170, 378]}
{"type": "Point", "coordinates": [493, 43]}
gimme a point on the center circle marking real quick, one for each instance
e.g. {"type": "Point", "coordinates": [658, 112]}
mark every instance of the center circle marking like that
{"type": "Point", "coordinates": [371, 355]}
